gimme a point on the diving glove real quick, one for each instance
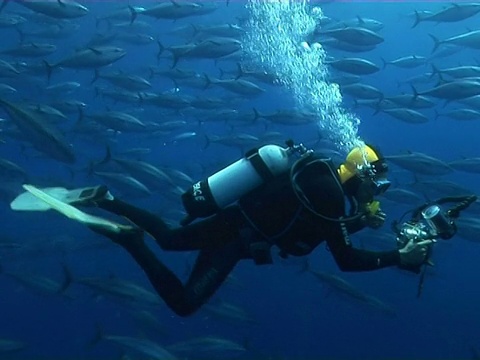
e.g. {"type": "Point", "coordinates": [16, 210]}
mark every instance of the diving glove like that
{"type": "Point", "coordinates": [374, 216]}
{"type": "Point", "coordinates": [376, 220]}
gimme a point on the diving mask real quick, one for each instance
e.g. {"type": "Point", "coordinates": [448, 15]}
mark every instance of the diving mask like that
{"type": "Point", "coordinates": [376, 173]}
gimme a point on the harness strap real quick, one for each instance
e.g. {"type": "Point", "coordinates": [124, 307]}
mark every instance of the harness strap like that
{"type": "Point", "coordinates": [259, 165]}
{"type": "Point", "coordinates": [271, 239]}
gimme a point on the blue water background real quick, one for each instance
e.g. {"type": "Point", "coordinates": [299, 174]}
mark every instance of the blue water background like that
{"type": "Point", "coordinates": [298, 317]}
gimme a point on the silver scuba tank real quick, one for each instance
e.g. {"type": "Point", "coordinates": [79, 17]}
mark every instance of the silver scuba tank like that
{"type": "Point", "coordinates": [223, 188]}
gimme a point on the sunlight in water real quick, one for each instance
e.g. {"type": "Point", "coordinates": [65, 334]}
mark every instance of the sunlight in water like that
{"type": "Point", "coordinates": [275, 41]}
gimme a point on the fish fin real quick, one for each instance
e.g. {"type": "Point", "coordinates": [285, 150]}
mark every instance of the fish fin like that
{"type": "Point", "coordinates": [49, 69]}
{"type": "Point", "coordinates": [436, 43]}
{"type": "Point", "coordinates": [4, 3]}
{"type": "Point", "coordinates": [67, 280]}
{"type": "Point", "coordinates": [96, 76]}
{"type": "Point", "coordinates": [99, 335]}
{"type": "Point", "coordinates": [175, 4]}
{"type": "Point", "coordinates": [133, 14]}
{"type": "Point", "coordinates": [415, 92]}
{"type": "Point", "coordinates": [384, 63]}
{"type": "Point", "coordinates": [161, 48]}
{"type": "Point", "coordinates": [417, 19]}
{"type": "Point", "coordinates": [95, 51]}
{"type": "Point", "coordinates": [61, 3]}
{"type": "Point", "coordinates": [107, 158]}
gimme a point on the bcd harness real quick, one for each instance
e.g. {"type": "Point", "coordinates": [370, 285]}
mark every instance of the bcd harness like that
{"type": "Point", "coordinates": [300, 181]}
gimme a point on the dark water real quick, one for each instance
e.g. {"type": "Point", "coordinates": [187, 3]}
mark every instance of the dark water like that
{"type": "Point", "coordinates": [296, 316]}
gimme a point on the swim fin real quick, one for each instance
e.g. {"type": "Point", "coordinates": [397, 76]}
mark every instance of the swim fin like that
{"type": "Point", "coordinates": [74, 213]}
{"type": "Point", "coordinates": [29, 202]}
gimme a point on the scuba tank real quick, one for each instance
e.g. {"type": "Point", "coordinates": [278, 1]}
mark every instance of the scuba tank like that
{"type": "Point", "coordinates": [228, 185]}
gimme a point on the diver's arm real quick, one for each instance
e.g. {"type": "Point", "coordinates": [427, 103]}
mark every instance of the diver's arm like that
{"type": "Point", "coordinates": [349, 258]}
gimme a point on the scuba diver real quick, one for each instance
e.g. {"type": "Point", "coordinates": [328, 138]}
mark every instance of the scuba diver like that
{"type": "Point", "coordinates": [263, 200]}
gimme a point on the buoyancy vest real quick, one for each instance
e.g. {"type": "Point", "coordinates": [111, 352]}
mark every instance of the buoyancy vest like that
{"type": "Point", "coordinates": [293, 210]}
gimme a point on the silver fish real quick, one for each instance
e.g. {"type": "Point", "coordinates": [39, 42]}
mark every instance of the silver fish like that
{"type": "Point", "coordinates": [407, 115]}
{"type": "Point", "coordinates": [59, 9]}
{"type": "Point", "coordinates": [354, 35]}
{"type": "Point", "coordinates": [89, 58]}
{"type": "Point", "coordinates": [469, 39]}
{"type": "Point", "coordinates": [454, 13]}
{"type": "Point", "coordinates": [146, 347]}
{"type": "Point", "coordinates": [420, 163]}
{"type": "Point", "coordinates": [356, 66]}
{"type": "Point", "coordinates": [407, 62]}
{"type": "Point", "coordinates": [30, 50]}
{"type": "Point", "coordinates": [44, 138]}
{"type": "Point", "coordinates": [470, 165]}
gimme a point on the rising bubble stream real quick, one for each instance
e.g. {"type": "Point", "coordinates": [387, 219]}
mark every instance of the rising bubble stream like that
{"type": "Point", "coordinates": [275, 41]}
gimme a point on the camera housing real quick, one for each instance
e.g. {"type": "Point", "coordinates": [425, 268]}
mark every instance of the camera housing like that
{"type": "Point", "coordinates": [438, 222]}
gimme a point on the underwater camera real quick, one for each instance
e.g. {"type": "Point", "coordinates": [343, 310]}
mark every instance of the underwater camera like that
{"type": "Point", "coordinates": [432, 224]}
{"type": "Point", "coordinates": [429, 222]}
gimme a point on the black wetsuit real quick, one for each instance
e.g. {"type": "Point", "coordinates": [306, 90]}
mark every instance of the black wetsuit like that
{"type": "Point", "coordinates": [271, 215]}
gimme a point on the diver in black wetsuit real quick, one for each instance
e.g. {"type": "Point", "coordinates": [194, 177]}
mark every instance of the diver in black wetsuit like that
{"type": "Point", "coordinates": [295, 211]}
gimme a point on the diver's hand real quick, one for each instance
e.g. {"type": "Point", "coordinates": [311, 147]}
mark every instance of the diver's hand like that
{"type": "Point", "coordinates": [414, 254]}
{"type": "Point", "coordinates": [376, 220]}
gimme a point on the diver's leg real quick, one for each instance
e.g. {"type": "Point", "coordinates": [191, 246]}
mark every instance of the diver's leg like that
{"type": "Point", "coordinates": [144, 219]}
{"type": "Point", "coordinates": [100, 196]}
{"type": "Point", "coordinates": [213, 231]}
{"type": "Point", "coordinates": [211, 269]}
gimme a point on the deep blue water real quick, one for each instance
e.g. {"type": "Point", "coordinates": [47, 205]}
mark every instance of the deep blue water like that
{"type": "Point", "coordinates": [297, 317]}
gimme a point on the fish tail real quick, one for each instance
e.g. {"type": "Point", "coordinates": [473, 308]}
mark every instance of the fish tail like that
{"type": "Point", "coordinates": [152, 73]}
{"type": "Point", "coordinates": [107, 158]}
{"type": "Point", "coordinates": [435, 71]}
{"type": "Point", "coordinates": [436, 115]}
{"type": "Point", "coordinates": [176, 57]}
{"type": "Point", "coordinates": [67, 280]}
{"type": "Point", "coordinates": [97, 337]}
{"type": "Point", "coordinates": [49, 69]}
{"type": "Point", "coordinates": [415, 92]}
{"type": "Point", "coordinates": [377, 107]}
{"type": "Point", "coordinates": [441, 80]}
{"type": "Point", "coordinates": [195, 31]}
{"type": "Point", "coordinates": [207, 142]}
{"type": "Point", "coordinates": [4, 3]}
{"type": "Point", "coordinates": [133, 14]}
{"type": "Point", "coordinates": [417, 19]}
{"type": "Point", "coordinates": [81, 114]}
{"type": "Point", "coordinates": [208, 81]}
{"type": "Point", "coordinates": [20, 33]}
{"type": "Point", "coordinates": [95, 76]}
{"type": "Point", "coordinates": [436, 43]}
{"type": "Point", "coordinates": [91, 168]}
{"type": "Point", "coordinates": [384, 63]}
{"type": "Point", "coordinates": [240, 71]}
{"type": "Point", "coordinates": [161, 48]}
{"type": "Point", "coordinates": [98, 21]}
{"type": "Point", "coordinates": [256, 114]}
